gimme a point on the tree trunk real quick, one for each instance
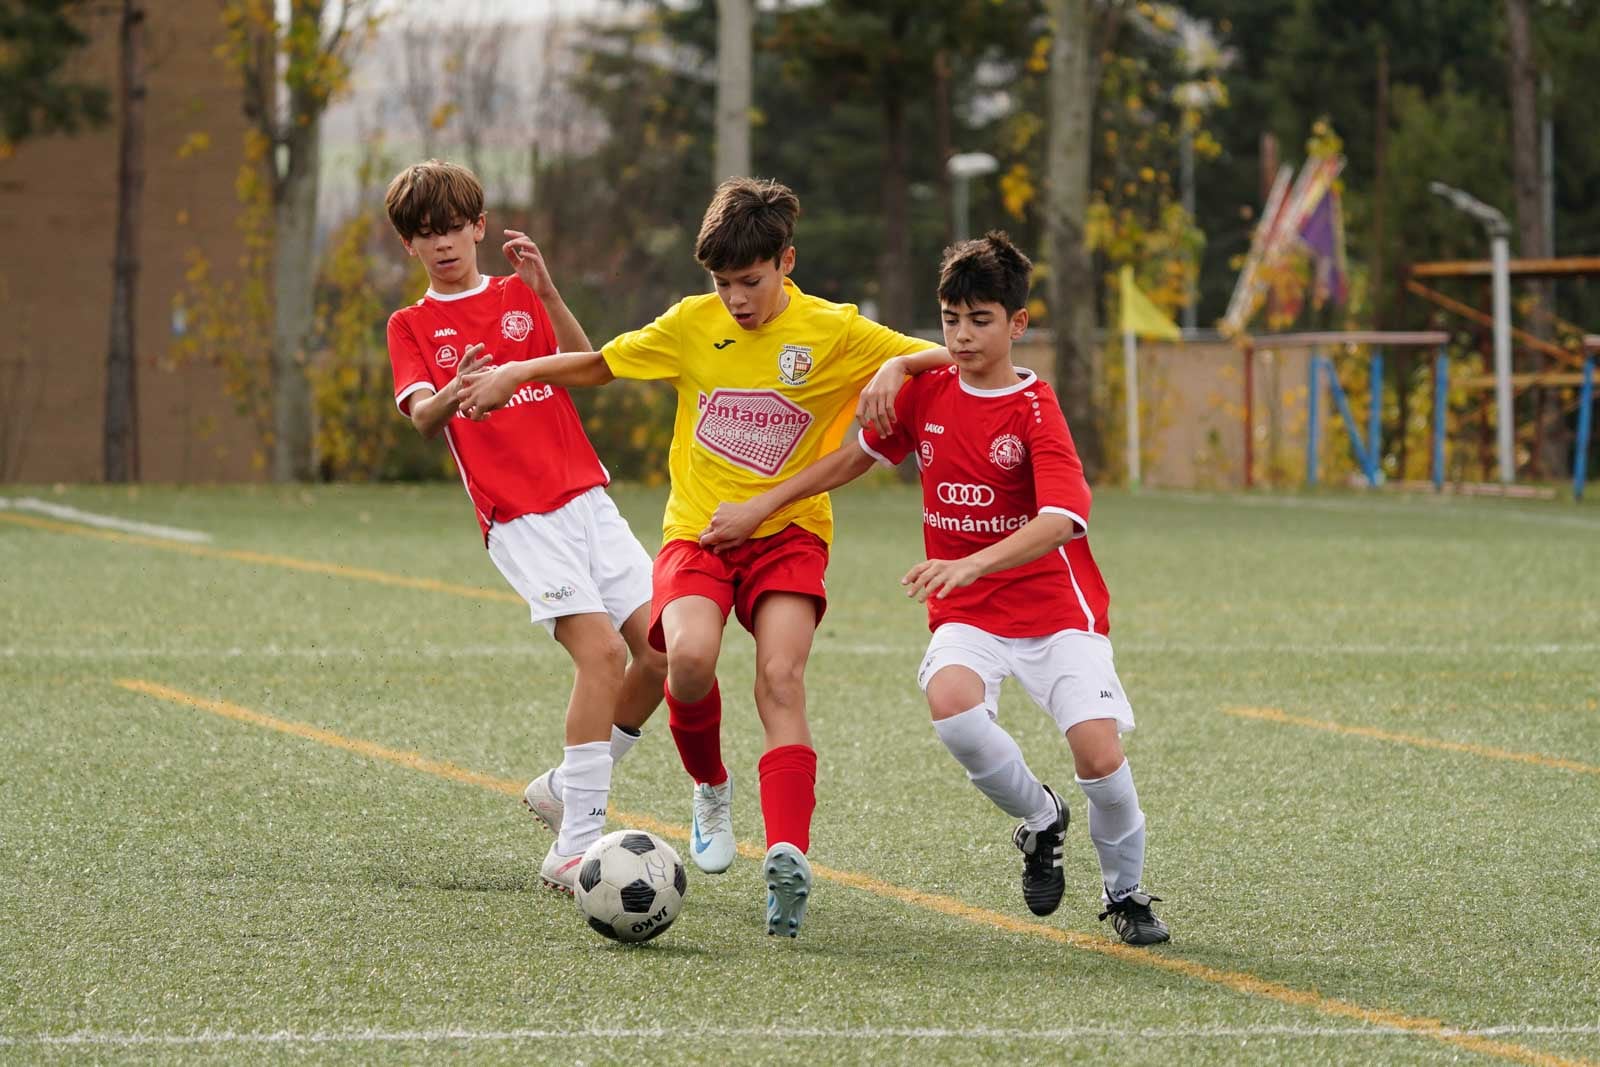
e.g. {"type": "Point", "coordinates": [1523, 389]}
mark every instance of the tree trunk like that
{"type": "Point", "coordinates": [734, 20]}
{"type": "Point", "coordinates": [944, 140]}
{"type": "Point", "coordinates": [122, 378]}
{"type": "Point", "coordinates": [294, 249]}
{"type": "Point", "coordinates": [894, 266]}
{"type": "Point", "coordinates": [1071, 290]}
{"type": "Point", "coordinates": [1534, 241]}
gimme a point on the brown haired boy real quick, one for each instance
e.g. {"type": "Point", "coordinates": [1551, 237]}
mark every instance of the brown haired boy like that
{"type": "Point", "coordinates": [753, 402]}
{"type": "Point", "coordinates": [1010, 584]}
{"type": "Point", "coordinates": [534, 481]}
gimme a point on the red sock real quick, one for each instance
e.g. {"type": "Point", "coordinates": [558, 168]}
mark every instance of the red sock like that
{"type": "Point", "coordinates": [789, 794]}
{"type": "Point", "coordinates": [697, 731]}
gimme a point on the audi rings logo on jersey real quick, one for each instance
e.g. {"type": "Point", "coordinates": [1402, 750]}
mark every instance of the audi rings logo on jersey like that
{"type": "Point", "coordinates": [973, 496]}
{"type": "Point", "coordinates": [445, 356]}
{"type": "Point", "coordinates": [516, 325]}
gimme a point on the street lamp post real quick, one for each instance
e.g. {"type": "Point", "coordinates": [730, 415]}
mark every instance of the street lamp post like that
{"type": "Point", "coordinates": [964, 167]}
{"type": "Point", "coordinates": [1499, 231]}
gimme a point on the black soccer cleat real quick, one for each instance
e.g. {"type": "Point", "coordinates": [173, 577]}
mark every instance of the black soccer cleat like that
{"type": "Point", "coordinates": [1134, 922]}
{"type": "Point", "coordinates": [1042, 880]}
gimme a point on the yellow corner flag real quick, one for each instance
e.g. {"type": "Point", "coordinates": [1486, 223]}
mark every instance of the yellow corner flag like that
{"type": "Point", "coordinates": [1140, 316]}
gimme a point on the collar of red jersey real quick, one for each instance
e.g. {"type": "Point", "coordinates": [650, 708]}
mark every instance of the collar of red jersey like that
{"type": "Point", "coordinates": [474, 291]}
{"type": "Point", "coordinates": [1029, 379]}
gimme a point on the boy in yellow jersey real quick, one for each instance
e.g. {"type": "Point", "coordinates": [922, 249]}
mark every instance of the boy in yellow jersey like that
{"type": "Point", "coordinates": [765, 376]}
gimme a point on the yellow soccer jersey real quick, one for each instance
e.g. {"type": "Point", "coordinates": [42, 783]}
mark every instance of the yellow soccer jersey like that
{"type": "Point", "coordinates": [754, 406]}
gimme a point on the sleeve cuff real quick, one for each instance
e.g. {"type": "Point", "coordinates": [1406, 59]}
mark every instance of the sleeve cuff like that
{"type": "Point", "coordinates": [861, 436]}
{"type": "Point", "coordinates": [414, 387]}
{"type": "Point", "coordinates": [1079, 523]}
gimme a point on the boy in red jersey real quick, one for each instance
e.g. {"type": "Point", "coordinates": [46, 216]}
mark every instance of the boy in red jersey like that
{"type": "Point", "coordinates": [765, 376]}
{"type": "Point", "coordinates": [1010, 584]}
{"type": "Point", "coordinates": [536, 485]}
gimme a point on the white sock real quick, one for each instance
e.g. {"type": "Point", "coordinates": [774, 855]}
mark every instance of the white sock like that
{"type": "Point", "coordinates": [994, 764]}
{"type": "Point", "coordinates": [622, 739]}
{"type": "Point", "coordinates": [1116, 826]}
{"type": "Point", "coordinates": [585, 783]}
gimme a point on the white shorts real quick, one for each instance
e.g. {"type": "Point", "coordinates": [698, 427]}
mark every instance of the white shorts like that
{"type": "Point", "coordinates": [576, 560]}
{"type": "Point", "coordinates": [1069, 674]}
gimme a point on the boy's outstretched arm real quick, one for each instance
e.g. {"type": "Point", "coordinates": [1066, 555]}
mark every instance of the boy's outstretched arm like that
{"type": "Point", "coordinates": [732, 524]}
{"type": "Point", "coordinates": [875, 407]}
{"type": "Point", "coordinates": [1042, 533]}
{"type": "Point", "coordinates": [526, 259]}
{"type": "Point", "coordinates": [488, 390]}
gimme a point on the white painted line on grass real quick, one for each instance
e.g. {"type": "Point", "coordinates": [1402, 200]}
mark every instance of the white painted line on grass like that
{"type": "Point", "coordinates": [1423, 506]}
{"type": "Point", "coordinates": [860, 1033]}
{"type": "Point", "coordinates": [106, 522]}
{"type": "Point", "coordinates": [828, 648]}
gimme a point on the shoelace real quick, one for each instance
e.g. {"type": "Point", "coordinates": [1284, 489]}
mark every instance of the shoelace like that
{"type": "Point", "coordinates": [716, 814]}
{"type": "Point", "coordinates": [1133, 909]}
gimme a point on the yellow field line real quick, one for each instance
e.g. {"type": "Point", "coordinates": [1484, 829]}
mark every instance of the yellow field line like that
{"type": "Point", "coordinates": [336, 570]}
{"type": "Point", "coordinates": [1239, 982]}
{"type": "Point", "coordinates": [1279, 716]}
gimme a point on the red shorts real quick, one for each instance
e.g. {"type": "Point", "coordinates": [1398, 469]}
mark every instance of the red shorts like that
{"type": "Point", "coordinates": [793, 560]}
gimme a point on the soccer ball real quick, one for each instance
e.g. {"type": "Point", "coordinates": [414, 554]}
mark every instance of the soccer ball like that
{"type": "Point", "coordinates": [631, 885]}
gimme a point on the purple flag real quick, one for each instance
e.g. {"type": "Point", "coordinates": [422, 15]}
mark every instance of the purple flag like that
{"type": "Point", "coordinates": [1322, 231]}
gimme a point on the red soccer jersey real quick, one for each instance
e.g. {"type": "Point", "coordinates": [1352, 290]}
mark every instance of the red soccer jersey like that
{"type": "Point", "coordinates": [991, 460]}
{"type": "Point", "coordinates": [530, 456]}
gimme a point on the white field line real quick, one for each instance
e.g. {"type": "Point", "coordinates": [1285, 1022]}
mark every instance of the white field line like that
{"type": "Point", "coordinates": [867, 1033]}
{"type": "Point", "coordinates": [830, 648]}
{"type": "Point", "coordinates": [1439, 509]}
{"type": "Point", "coordinates": [107, 522]}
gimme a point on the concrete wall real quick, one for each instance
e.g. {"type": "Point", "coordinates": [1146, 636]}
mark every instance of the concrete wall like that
{"type": "Point", "coordinates": [1192, 412]}
{"type": "Point", "coordinates": [58, 212]}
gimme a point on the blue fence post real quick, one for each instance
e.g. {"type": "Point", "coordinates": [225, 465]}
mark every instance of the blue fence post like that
{"type": "Point", "coordinates": [1580, 457]}
{"type": "Point", "coordinates": [1375, 420]}
{"type": "Point", "coordinates": [1311, 421]}
{"type": "Point", "coordinates": [1441, 398]}
{"type": "Point", "coordinates": [1343, 404]}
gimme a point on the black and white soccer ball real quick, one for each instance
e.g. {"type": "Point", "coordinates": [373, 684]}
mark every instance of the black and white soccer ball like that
{"type": "Point", "coordinates": [631, 885]}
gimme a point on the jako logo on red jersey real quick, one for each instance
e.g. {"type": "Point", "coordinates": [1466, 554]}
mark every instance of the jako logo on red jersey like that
{"type": "Point", "coordinates": [1007, 452]}
{"type": "Point", "coordinates": [976, 496]}
{"type": "Point", "coordinates": [516, 325]}
{"type": "Point", "coordinates": [756, 429]}
{"type": "Point", "coordinates": [446, 356]}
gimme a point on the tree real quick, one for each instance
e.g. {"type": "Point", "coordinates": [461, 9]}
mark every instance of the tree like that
{"type": "Point", "coordinates": [1071, 285]}
{"type": "Point", "coordinates": [292, 68]}
{"type": "Point", "coordinates": [122, 392]}
{"type": "Point", "coordinates": [36, 98]}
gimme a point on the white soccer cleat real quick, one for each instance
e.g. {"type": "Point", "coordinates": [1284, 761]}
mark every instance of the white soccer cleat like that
{"type": "Point", "coordinates": [544, 802]}
{"type": "Point", "coordinates": [711, 843]}
{"type": "Point", "coordinates": [788, 888]}
{"type": "Point", "coordinates": [560, 872]}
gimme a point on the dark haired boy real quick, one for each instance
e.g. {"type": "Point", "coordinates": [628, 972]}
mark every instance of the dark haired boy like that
{"type": "Point", "coordinates": [765, 375]}
{"type": "Point", "coordinates": [1010, 585]}
{"type": "Point", "coordinates": [535, 482]}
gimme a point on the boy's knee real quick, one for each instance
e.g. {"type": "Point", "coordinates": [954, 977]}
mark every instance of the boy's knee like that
{"type": "Point", "coordinates": [606, 654]}
{"type": "Point", "coordinates": [781, 680]}
{"type": "Point", "coordinates": [691, 671]}
{"type": "Point", "coordinates": [653, 664]}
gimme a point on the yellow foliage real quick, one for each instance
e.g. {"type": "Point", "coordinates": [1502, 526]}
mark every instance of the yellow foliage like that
{"type": "Point", "coordinates": [197, 142]}
{"type": "Point", "coordinates": [1017, 190]}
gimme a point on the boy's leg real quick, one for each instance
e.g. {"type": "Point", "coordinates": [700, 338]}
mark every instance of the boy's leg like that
{"type": "Point", "coordinates": [1074, 678]}
{"type": "Point", "coordinates": [691, 629]}
{"type": "Point", "coordinates": [784, 624]}
{"type": "Point", "coordinates": [962, 701]}
{"type": "Point", "coordinates": [644, 682]}
{"type": "Point", "coordinates": [598, 658]}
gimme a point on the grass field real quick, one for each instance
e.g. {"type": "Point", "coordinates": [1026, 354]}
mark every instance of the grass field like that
{"type": "Point", "coordinates": [258, 800]}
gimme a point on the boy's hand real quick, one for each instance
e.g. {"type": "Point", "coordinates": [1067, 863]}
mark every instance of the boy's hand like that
{"type": "Point", "coordinates": [875, 408]}
{"type": "Point", "coordinates": [936, 577]}
{"type": "Point", "coordinates": [526, 259]}
{"type": "Point", "coordinates": [731, 526]}
{"type": "Point", "coordinates": [485, 391]}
